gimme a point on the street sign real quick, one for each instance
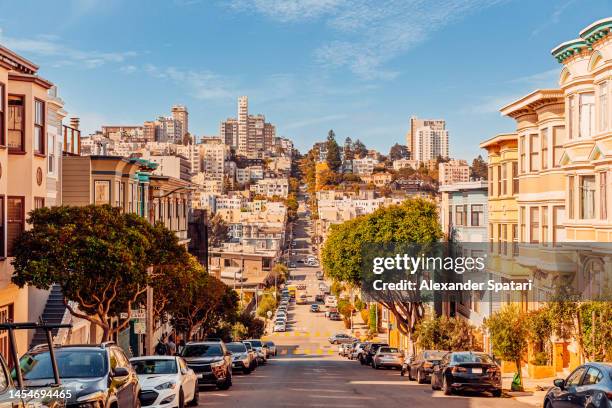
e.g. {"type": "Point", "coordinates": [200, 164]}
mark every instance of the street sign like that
{"type": "Point", "coordinates": [140, 327]}
{"type": "Point", "coordinates": [136, 314]}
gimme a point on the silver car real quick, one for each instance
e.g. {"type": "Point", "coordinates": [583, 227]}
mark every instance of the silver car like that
{"type": "Point", "coordinates": [389, 357]}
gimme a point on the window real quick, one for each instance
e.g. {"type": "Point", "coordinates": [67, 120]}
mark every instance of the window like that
{"type": "Point", "coordinates": [534, 152]}
{"type": "Point", "coordinates": [2, 110]}
{"type": "Point", "coordinates": [603, 193]}
{"type": "Point", "coordinates": [571, 117]}
{"type": "Point", "coordinates": [522, 221]}
{"type": "Point", "coordinates": [515, 250]}
{"type": "Point", "coordinates": [544, 136]}
{"type": "Point", "coordinates": [101, 192]}
{"type": "Point", "coordinates": [490, 237]}
{"type": "Point", "coordinates": [122, 196]}
{"type": "Point", "coordinates": [459, 215]}
{"type": "Point", "coordinates": [39, 202]}
{"type": "Point", "coordinates": [16, 123]}
{"type": "Point", "coordinates": [574, 378]}
{"type": "Point", "coordinates": [558, 141]}
{"type": "Point", "coordinates": [504, 179]}
{"type": "Point", "coordinates": [477, 218]}
{"type": "Point", "coordinates": [499, 180]}
{"type": "Point", "coordinates": [593, 376]}
{"type": "Point", "coordinates": [15, 221]}
{"type": "Point", "coordinates": [587, 197]}
{"type": "Point", "coordinates": [522, 153]}
{"type": "Point", "coordinates": [570, 197]}
{"type": "Point", "coordinates": [2, 229]}
{"type": "Point", "coordinates": [515, 178]}
{"type": "Point", "coordinates": [545, 225]}
{"type": "Point", "coordinates": [504, 238]}
{"type": "Point", "coordinates": [558, 220]}
{"type": "Point", "coordinates": [603, 106]}
{"type": "Point", "coordinates": [39, 127]}
{"type": "Point", "coordinates": [586, 114]}
{"type": "Point", "coordinates": [534, 225]}
{"type": "Point", "coordinates": [499, 238]}
{"type": "Point", "coordinates": [50, 153]}
{"type": "Point", "coordinates": [490, 181]}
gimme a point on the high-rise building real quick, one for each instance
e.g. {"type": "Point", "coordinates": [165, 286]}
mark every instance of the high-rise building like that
{"type": "Point", "coordinates": [212, 158]}
{"type": "Point", "coordinates": [249, 135]}
{"type": "Point", "coordinates": [427, 139]}
{"type": "Point", "coordinates": [180, 113]}
{"type": "Point", "coordinates": [453, 171]}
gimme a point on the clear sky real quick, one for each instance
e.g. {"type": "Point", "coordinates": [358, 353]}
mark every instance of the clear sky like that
{"type": "Point", "coordinates": [361, 67]}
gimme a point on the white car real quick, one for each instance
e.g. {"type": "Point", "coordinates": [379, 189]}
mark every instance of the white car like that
{"type": "Point", "coordinates": [280, 326]}
{"type": "Point", "coordinates": [167, 379]}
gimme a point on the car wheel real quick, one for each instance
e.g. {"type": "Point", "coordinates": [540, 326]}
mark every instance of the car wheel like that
{"type": "Point", "coordinates": [419, 377]}
{"type": "Point", "coordinates": [410, 377]}
{"type": "Point", "coordinates": [498, 393]}
{"type": "Point", "coordinates": [181, 401]}
{"type": "Point", "coordinates": [374, 365]}
{"type": "Point", "coordinates": [445, 388]}
{"type": "Point", "coordinates": [246, 371]}
{"type": "Point", "coordinates": [402, 371]}
{"type": "Point", "coordinates": [196, 395]}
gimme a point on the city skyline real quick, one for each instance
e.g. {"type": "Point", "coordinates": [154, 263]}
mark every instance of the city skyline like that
{"type": "Point", "coordinates": [328, 72]}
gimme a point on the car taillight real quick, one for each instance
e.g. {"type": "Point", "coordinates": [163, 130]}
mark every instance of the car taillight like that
{"type": "Point", "coordinates": [459, 370]}
{"type": "Point", "coordinates": [609, 395]}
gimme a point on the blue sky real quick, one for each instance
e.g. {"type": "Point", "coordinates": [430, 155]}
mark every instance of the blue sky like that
{"type": "Point", "coordinates": [361, 67]}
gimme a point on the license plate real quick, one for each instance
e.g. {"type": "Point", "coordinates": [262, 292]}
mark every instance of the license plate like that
{"type": "Point", "coordinates": [476, 370]}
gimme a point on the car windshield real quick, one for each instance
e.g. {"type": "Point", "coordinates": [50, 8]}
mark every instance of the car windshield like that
{"type": "Point", "coordinates": [270, 343]}
{"type": "Point", "coordinates": [389, 350]}
{"type": "Point", "coordinates": [236, 347]}
{"type": "Point", "coordinates": [434, 355]}
{"type": "Point", "coordinates": [255, 343]}
{"type": "Point", "coordinates": [248, 346]}
{"type": "Point", "coordinates": [167, 366]}
{"type": "Point", "coordinates": [459, 358]}
{"type": "Point", "coordinates": [70, 363]}
{"type": "Point", "coordinates": [202, 350]}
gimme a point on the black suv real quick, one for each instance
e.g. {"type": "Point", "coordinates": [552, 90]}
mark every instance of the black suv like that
{"type": "Point", "coordinates": [367, 356]}
{"type": "Point", "coordinates": [96, 376]}
{"type": "Point", "coordinates": [211, 361]}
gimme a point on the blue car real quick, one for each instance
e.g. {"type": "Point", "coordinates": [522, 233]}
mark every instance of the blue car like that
{"type": "Point", "coordinates": [589, 385]}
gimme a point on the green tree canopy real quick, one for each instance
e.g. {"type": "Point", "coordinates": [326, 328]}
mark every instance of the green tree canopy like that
{"type": "Point", "coordinates": [359, 149]}
{"type": "Point", "coordinates": [398, 151]}
{"type": "Point", "coordinates": [217, 231]}
{"type": "Point", "coordinates": [98, 255]}
{"type": "Point", "coordinates": [333, 158]}
{"type": "Point", "coordinates": [479, 169]}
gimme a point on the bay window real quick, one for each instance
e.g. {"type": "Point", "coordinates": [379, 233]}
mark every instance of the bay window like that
{"type": "Point", "coordinates": [39, 127]}
{"type": "Point", "coordinates": [586, 115]}
{"type": "Point", "coordinates": [587, 197]}
{"type": "Point", "coordinates": [603, 106]}
{"type": "Point", "coordinates": [16, 123]}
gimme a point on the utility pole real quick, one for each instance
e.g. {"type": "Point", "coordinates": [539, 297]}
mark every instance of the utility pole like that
{"type": "Point", "coordinates": [149, 318]}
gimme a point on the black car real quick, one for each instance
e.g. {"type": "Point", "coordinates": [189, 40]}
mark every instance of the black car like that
{"type": "Point", "coordinates": [590, 385]}
{"type": "Point", "coordinates": [95, 375]}
{"type": "Point", "coordinates": [467, 371]}
{"type": "Point", "coordinates": [211, 361]}
{"type": "Point", "coordinates": [420, 367]}
{"type": "Point", "coordinates": [367, 356]}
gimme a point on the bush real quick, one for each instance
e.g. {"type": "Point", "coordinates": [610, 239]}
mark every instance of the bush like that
{"type": "Point", "coordinates": [540, 359]}
{"type": "Point", "coordinates": [359, 305]}
{"type": "Point", "coordinates": [345, 308]}
{"type": "Point", "coordinates": [266, 303]}
{"type": "Point", "coordinates": [372, 319]}
{"type": "Point", "coordinates": [365, 316]}
{"type": "Point", "coordinates": [444, 333]}
{"type": "Point", "coordinates": [239, 331]}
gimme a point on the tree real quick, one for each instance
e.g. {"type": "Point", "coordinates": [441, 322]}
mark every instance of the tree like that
{"type": "Point", "coordinates": [446, 333]}
{"type": "Point", "coordinates": [359, 149]}
{"type": "Point", "coordinates": [205, 306]}
{"type": "Point", "coordinates": [348, 149]}
{"type": "Point", "coordinates": [98, 255]}
{"type": "Point", "coordinates": [217, 231]}
{"type": "Point", "coordinates": [267, 303]}
{"type": "Point", "coordinates": [415, 221]}
{"type": "Point", "coordinates": [333, 159]}
{"type": "Point", "coordinates": [508, 332]}
{"type": "Point", "coordinates": [479, 169]}
{"type": "Point", "coordinates": [398, 151]}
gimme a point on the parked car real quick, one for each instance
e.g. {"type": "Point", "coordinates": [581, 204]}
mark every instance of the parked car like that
{"type": "Point", "coordinates": [467, 371]}
{"type": "Point", "coordinates": [340, 338]}
{"type": "Point", "coordinates": [271, 348]}
{"type": "Point", "coordinates": [292, 265]}
{"type": "Point", "coordinates": [280, 326]}
{"type": "Point", "coordinates": [211, 361]}
{"type": "Point", "coordinates": [93, 374]}
{"type": "Point", "coordinates": [166, 380]}
{"type": "Point", "coordinates": [345, 349]}
{"type": "Point", "coordinates": [331, 301]}
{"type": "Point", "coordinates": [260, 348]}
{"type": "Point", "coordinates": [335, 316]}
{"type": "Point", "coordinates": [357, 350]}
{"type": "Point", "coordinates": [589, 385]}
{"type": "Point", "coordinates": [319, 275]}
{"type": "Point", "coordinates": [252, 355]}
{"type": "Point", "coordinates": [419, 368]}
{"type": "Point", "coordinates": [389, 357]}
{"type": "Point", "coordinates": [369, 351]}
{"type": "Point", "coordinates": [241, 358]}
{"type": "Point", "coordinates": [319, 297]}
{"type": "Point", "coordinates": [314, 308]}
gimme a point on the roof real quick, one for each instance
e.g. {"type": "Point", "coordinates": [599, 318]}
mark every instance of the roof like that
{"type": "Point", "coordinates": [502, 137]}
{"type": "Point", "coordinates": [17, 62]}
{"type": "Point", "coordinates": [588, 36]}
{"type": "Point", "coordinates": [532, 101]}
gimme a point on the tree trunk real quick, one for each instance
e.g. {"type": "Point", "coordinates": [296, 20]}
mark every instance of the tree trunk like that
{"type": "Point", "coordinates": [519, 372]}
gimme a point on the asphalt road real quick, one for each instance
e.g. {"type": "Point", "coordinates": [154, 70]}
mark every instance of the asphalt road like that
{"type": "Point", "coordinates": [309, 373]}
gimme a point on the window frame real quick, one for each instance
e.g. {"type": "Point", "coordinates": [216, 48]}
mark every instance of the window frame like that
{"type": "Point", "coordinates": [604, 102]}
{"type": "Point", "coordinates": [534, 152]}
{"type": "Point", "coordinates": [603, 195]}
{"type": "Point", "coordinates": [585, 203]}
{"type": "Point", "coordinates": [21, 149]}
{"type": "Point", "coordinates": [9, 253]}
{"type": "Point", "coordinates": [544, 148]}
{"type": "Point", "coordinates": [3, 226]}
{"type": "Point", "coordinates": [535, 226]}
{"type": "Point", "coordinates": [3, 105]}
{"type": "Point", "coordinates": [41, 126]}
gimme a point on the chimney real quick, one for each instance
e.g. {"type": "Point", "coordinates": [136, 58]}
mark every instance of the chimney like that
{"type": "Point", "coordinates": [74, 123]}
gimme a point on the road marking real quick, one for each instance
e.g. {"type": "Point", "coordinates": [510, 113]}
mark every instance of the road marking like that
{"type": "Point", "coordinates": [319, 351]}
{"type": "Point", "coordinates": [306, 351]}
{"type": "Point", "coordinates": [330, 352]}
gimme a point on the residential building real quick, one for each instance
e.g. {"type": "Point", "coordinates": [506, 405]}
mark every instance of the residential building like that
{"type": "Point", "coordinates": [249, 174]}
{"type": "Point", "coordinates": [55, 139]}
{"type": "Point", "coordinates": [453, 171]}
{"type": "Point", "coordinates": [364, 166]}
{"type": "Point", "coordinates": [250, 135]}
{"type": "Point", "coordinates": [228, 130]}
{"type": "Point", "coordinates": [271, 187]}
{"type": "Point", "coordinates": [427, 139]}
{"type": "Point", "coordinates": [405, 163]}
{"type": "Point", "coordinates": [207, 185]}
{"type": "Point", "coordinates": [24, 118]}
{"type": "Point", "coordinates": [213, 155]}
{"type": "Point", "coordinates": [126, 133]}
{"type": "Point", "coordinates": [181, 115]}
{"type": "Point", "coordinates": [174, 166]}
{"type": "Point", "coordinates": [380, 179]}
{"type": "Point", "coordinates": [191, 151]}
{"type": "Point", "coordinates": [463, 211]}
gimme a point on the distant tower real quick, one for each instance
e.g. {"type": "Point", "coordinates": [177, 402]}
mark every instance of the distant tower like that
{"type": "Point", "coordinates": [179, 112]}
{"type": "Point", "coordinates": [243, 124]}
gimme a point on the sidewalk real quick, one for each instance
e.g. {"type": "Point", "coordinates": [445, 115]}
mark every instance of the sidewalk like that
{"type": "Point", "coordinates": [534, 393]}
